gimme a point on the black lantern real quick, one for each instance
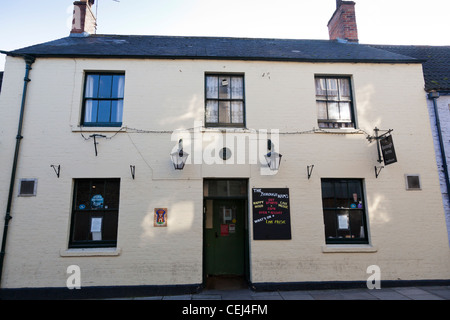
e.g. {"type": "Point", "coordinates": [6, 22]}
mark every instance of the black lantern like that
{"type": "Point", "coordinates": [179, 157]}
{"type": "Point", "coordinates": [273, 158]}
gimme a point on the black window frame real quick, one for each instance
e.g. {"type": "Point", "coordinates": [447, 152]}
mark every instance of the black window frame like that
{"type": "Point", "coordinates": [89, 212]}
{"type": "Point", "coordinates": [231, 99]}
{"type": "Point", "coordinates": [85, 99]}
{"type": "Point", "coordinates": [331, 213]}
{"type": "Point", "coordinates": [336, 123]}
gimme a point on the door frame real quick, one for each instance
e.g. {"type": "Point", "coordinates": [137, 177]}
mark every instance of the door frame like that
{"type": "Point", "coordinates": [246, 227]}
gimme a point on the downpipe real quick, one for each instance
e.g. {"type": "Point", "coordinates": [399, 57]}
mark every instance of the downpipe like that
{"type": "Point", "coordinates": [434, 96]}
{"type": "Point", "coordinates": [29, 60]}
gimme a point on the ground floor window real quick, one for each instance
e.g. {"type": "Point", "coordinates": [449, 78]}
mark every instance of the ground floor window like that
{"type": "Point", "coordinates": [344, 211]}
{"type": "Point", "coordinates": [95, 213]}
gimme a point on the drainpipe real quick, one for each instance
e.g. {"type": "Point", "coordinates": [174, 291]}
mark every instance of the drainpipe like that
{"type": "Point", "coordinates": [29, 60]}
{"type": "Point", "coordinates": [434, 96]}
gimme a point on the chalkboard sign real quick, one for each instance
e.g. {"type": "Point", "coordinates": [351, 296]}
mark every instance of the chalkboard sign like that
{"type": "Point", "coordinates": [387, 148]}
{"type": "Point", "coordinates": [271, 216]}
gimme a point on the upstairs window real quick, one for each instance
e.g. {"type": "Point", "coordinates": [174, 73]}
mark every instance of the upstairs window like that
{"type": "Point", "coordinates": [334, 102]}
{"type": "Point", "coordinates": [103, 100]}
{"type": "Point", "coordinates": [224, 106]}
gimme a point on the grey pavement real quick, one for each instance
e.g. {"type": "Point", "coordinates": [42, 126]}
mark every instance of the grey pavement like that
{"type": "Point", "coordinates": [395, 293]}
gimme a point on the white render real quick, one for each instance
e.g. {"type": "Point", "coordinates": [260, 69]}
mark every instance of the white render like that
{"type": "Point", "coordinates": [407, 229]}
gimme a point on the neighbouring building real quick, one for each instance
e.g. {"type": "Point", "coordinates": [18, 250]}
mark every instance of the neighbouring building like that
{"type": "Point", "coordinates": [151, 164]}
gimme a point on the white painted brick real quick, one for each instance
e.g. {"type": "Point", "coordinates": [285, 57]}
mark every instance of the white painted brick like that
{"type": "Point", "coordinates": [407, 227]}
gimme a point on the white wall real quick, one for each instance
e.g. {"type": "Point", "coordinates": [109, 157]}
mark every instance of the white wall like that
{"type": "Point", "coordinates": [408, 237]}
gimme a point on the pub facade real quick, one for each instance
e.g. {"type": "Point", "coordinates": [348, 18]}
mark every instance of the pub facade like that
{"type": "Point", "coordinates": [154, 164]}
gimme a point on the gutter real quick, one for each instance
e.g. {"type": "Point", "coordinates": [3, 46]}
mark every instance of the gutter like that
{"type": "Point", "coordinates": [434, 96]}
{"type": "Point", "coordinates": [29, 60]}
{"type": "Point", "coordinates": [227, 58]}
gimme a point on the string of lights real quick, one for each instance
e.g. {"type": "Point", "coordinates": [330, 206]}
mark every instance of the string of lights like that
{"type": "Point", "coordinates": [312, 131]}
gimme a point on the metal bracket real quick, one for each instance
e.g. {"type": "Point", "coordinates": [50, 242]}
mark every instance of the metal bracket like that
{"type": "Point", "coordinates": [133, 170]}
{"type": "Point", "coordinates": [95, 141]}
{"type": "Point", "coordinates": [309, 169]}
{"type": "Point", "coordinates": [378, 170]}
{"type": "Point", "coordinates": [57, 169]}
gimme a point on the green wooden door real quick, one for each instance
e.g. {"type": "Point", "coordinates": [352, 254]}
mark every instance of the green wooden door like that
{"type": "Point", "coordinates": [225, 239]}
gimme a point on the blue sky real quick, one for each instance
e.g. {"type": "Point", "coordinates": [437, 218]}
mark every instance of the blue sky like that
{"type": "Point", "coordinates": [26, 22]}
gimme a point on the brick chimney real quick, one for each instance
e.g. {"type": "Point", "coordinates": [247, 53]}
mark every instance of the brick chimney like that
{"type": "Point", "coordinates": [84, 21]}
{"type": "Point", "coordinates": [342, 24]}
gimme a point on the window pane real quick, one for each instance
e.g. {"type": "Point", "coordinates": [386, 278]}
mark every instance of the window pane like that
{"type": "Point", "coordinates": [355, 194]}
{"type": "Point", "coordinates": [237, 112]}
{"type": "Point", "coordinates": [91, 86]}
{"type": "Point", "coordinates": [225, 188]}
{"type": "Point", "coordinates": [90, 111]}
{"type": "Point", "coordinates": [341, 195]}
{"type": "Point", "coordinates": [237, 88]}
{"type": "Point", "coordinates": [212, 88]}
{"type": "Point", "coordinates": [344, 89]}
{"type": "Point", "coordinates": [82, 194]}
{"type": "Point", "coordinates": [118, 83]}
{"type": "Point", "coordinates": [224, 112]}
{"type": "Point", "coordinates": [212, 111]}
{"type": "Point", "coordinates": [333, 110]}
{"type": "Point", "coordinates": [328, 195]}
{"type": "Point", "coordinates": [105, 86]}
{"type": "Point", "coordinates": [321, 88]}
{"type": "Point", "coordinates": [109, 225]}
{"type": "Point", "coordinates": [112, 189]}
{"type": "Point", "coordinates": [345, 113]}
{"type": "Point", "coordinates": [357, 224]}
{"type": "Point", "coordinates": [97, 194]}
{"type": "Point", "coordinates": [104, 111]}
{"type": "Point", "coordinates": [81, 226]}
{"type": "Point", "coordinates": [224, 88]}
{"type": "Point", "coordinates": [329, 219]}
{"type": "Point", "coordinates": [332, 89]}
{"type": "Point", "coordinates": [322, 110]}
{"type": "Point", "coordinates": [116, 110]}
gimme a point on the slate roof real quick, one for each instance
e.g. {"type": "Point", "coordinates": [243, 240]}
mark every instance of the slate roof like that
{"type": "Point", "coordinates": [436, 68]}
{"type": "Point", "coordinates": [223, 48]}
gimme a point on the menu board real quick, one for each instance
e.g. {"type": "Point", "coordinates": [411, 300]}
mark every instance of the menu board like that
{"type": "Point", "coordinates": [271, 215]}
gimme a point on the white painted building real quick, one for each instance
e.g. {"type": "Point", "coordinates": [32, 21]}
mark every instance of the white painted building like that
{"type": "Point", "coordinates": [94, 191]}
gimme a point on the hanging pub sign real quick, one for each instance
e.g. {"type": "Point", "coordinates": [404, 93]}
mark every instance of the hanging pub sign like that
{"type": "Point", "coordinates": [387, 148]}
{"type": "Point", "coordinates": [271, 215]}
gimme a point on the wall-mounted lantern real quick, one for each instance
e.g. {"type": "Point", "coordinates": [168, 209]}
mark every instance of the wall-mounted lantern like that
{"type": "Point", "coordinates": [273, 158]}
{"type": "Point", "coordinates": [179, 157]}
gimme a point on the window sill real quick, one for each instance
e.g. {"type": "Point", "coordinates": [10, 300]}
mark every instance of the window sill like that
{"type": "Point", "coordinates": [226, 129]}
{"type": "Point", "coordinates": [341, 131]}
{"type": "Point", "coordinates": [349, 248]}
{"type": "Point", "coordinates": [98, 129]}
{"type": "Point", "coordinates": [90, 252]}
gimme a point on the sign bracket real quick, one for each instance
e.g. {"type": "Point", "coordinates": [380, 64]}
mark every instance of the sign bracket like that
{"type": "Point", "coordinates": [309, 169]}
{"type": "Point", "coordinates": [378, 170]}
